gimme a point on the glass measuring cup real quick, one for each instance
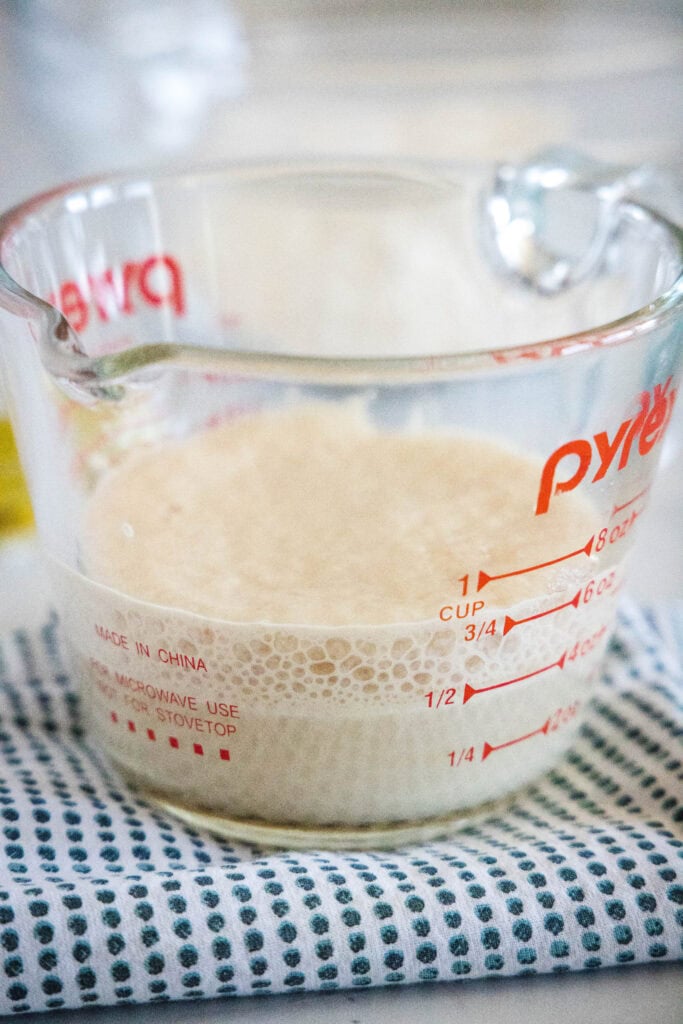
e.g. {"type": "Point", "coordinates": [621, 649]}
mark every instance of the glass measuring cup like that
{"type": "Point", "coordinates": [337, 468]}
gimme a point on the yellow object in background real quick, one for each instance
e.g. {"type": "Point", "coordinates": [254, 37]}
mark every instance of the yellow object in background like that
{"type": "Point", "coordinates": [15, 504]}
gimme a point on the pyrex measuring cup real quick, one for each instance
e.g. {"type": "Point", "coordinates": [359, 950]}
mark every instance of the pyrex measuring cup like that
{"type": "Point", "coordinates": [336, 532]}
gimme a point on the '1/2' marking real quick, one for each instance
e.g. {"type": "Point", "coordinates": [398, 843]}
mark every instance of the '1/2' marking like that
{"type": "Point", "coordinates": [471, 691]}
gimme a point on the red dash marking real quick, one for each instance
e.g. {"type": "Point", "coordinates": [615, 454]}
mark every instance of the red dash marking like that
{"type": "Point", "coordinates": [173, 742]}
{"type": "Point", "coordinates": [131, 726]}
{"type": "Point", "coordinates": [151, 735]}
{"type": "Point", "coordinates": [485, 578]}
{"type": "Point", "coordinates": [225, 754]}
{"type": "Point", "coordinates": [510, 623]}
{"type": "Point", "coordinates": [198, 748]}
{"type": "Point", "coordinates": [471, 691]}
{"type": "Point", "coordinates": [489, 749]}
{"type": "Point", "coordinates": [620, 508]}
{"type": "Point", "coordinates": [114, 717]}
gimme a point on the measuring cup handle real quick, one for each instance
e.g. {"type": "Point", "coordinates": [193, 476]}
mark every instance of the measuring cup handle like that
{"type": "Point", "coordinates": [515, 214]}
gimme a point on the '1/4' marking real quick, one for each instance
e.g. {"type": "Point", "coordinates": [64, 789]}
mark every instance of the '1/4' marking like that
{"type": "Point", "coordinates": [557, 718]}
{"type": "Point", "coordinates": [489, 748]}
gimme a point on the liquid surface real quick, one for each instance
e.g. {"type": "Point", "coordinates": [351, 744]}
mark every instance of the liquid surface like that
{"type": "Point", "coordinates": [311, 516]}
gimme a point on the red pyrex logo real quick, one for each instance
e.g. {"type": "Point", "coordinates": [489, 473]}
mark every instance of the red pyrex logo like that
{"type": "Point", "coordinates": [635, 436]}
{"type": "Point", "coordinates": [156, 280]}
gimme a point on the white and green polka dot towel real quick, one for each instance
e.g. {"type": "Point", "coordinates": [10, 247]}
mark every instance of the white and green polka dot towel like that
{"type": "Point", "coordinates": [104, 900]}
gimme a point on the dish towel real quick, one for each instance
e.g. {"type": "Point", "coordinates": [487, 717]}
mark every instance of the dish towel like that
{"type": "Point", "coordinates": [104, 899]}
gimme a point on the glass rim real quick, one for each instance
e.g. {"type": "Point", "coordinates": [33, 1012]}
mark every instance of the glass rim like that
{"type": "Point", "coordinates": [64, 357]}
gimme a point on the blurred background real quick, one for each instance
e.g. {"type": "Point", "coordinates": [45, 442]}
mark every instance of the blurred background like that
{"type": "Point", "coordinates": [89, 86]}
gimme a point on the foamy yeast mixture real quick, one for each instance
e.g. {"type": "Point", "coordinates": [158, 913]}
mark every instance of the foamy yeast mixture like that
{"type": "Point", "coordinates": [312, 517]}
{"type": "Point", "coordinates": [305, 555]}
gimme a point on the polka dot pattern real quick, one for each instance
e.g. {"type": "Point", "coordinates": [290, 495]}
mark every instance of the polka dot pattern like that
{"type": "Point", "coordinates": [104, 899]}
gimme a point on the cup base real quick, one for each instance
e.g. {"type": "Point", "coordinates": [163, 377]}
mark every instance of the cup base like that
{"type": "Point", "coordinates": [382, 835]}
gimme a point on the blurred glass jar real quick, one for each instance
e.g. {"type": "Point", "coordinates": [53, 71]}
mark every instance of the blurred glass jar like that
{"type": "Point", "coordinates": [122, 83]}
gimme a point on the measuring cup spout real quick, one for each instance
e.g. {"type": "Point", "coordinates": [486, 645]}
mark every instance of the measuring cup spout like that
{"type": "Point", "coordinates": [519, 229]}
{"type": "Point", "coordinates": [83, 377]}
{"type": "Point", "coordinates": [60, 348]}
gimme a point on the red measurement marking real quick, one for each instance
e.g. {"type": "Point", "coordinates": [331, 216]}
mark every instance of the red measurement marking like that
{"type": "Point", "coordinates": [173, 742]}
{"type": "Point", "coordinates": [485, 577]}
{"type": "Point", "coordinates": [510, 623]}
{"type": "Point", "coordinates": [620, 508]}
{"type": "Point", "coordinates": [486, 628]}
{"type": "Point", "coordinates": [467, 754]}
{"type": "Point", "coordinates": [471, 691]}
{"type": "Point", "coordinates": [444, 697]}
{"type": "Point", "coordinates": [490, 748]}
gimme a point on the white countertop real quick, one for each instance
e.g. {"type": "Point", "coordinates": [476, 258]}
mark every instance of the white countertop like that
{"type": "Point", "coordinates": [645, 995]}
